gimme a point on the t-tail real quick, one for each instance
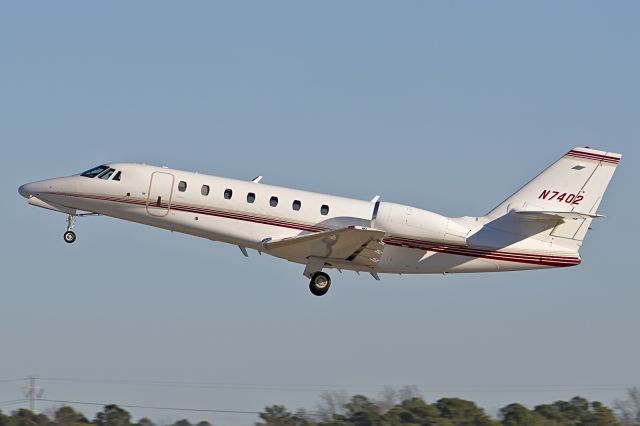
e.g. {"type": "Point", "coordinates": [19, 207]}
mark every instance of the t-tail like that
{"type": "Point", "coordinates": [558, 205]}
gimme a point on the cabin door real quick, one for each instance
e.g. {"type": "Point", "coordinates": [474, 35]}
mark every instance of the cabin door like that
{"type": "Point", "coordinates": [160, 190]}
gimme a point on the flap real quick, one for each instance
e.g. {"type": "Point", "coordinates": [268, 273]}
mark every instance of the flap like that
{"type": "Point", "coordinates": [354, 244]}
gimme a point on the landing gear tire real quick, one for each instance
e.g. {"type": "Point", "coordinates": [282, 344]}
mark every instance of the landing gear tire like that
{"type": "Point", "coordinates": [69, 237]}
{"type": "Point", "coordinates": [320, 283]}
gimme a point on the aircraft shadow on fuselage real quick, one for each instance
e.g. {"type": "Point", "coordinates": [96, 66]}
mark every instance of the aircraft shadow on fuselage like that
{"type": "Point", "coordinates": [508, 230]}
{"type": "Point", "coordinates": [495, 235]}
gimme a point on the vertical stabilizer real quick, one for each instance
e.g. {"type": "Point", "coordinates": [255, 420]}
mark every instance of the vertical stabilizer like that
{"type": "Point", "coordinates": [574, 183]}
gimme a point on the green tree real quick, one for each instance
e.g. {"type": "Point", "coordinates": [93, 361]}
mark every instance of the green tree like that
{"type": "Point", "coordinates": [4, 420]}
{"type": "Point", "coordinates": [600, 415]}
{"type": "Point", "coordinates": [67, 416]}
{"type": "Point", "coordinates": [552, 414]}
{"type": "Point", "coordinates": [519, 415]}
{"type": "Point", "coordinates": [112, 415]}
{"type": "Point", "coordinates": [24, 417]}
{"type": "Point", "coordinates": [463, 413]}
{"type": "Point", "coordinates": [276, 415]}
{"type": "Point", "coordinates": [414, 411]}
{"type": "Point", "coordinates": [576, 409]}
{"type": "Point", "coordinates": [302, 418]}
{"type": "Point", "coordinates": [146, 422]}
{"type": "Point", "coordinates": [362, 412]}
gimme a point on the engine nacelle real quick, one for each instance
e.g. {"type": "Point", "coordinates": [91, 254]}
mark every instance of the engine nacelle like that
{"type": "Point", "coordinates": [423, 224]}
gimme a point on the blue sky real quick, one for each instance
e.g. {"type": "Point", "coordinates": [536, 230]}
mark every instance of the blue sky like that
{"type": "Point", "coordinates": [446, 106]}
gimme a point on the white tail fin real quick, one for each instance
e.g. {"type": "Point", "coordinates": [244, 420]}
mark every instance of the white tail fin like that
{"type": "Point", "coordinates": [573, 184]}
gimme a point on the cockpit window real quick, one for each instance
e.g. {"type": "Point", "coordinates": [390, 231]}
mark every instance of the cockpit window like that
{"type": "Point", "coordinates": [91, 173]}
{"type": "Point", "coordinates": [106, 175]}
{"type": "Point", "coordinates": [117, 176]}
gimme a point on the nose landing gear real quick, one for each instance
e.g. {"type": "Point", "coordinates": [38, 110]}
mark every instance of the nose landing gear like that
{"type": "Point", "coordinates": [320, 283]}
{"type": "Point", "coordinates": [69, 235]}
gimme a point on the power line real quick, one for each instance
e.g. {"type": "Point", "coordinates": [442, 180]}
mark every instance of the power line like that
{"type": "Point", "coordinates": [205, 383]}
{"type": "Point", "coordinates": [526, 390]}
{"type": "Point", "coordinates": [326, 387]}
{"type": "Point", "coordinates": [12, 402]}
{"type": "Point", "coordinates": [211, 385]}
{"type": "Point", "coordinates": [20, 379]}
{"type": "Point", "coordinates": [186, 383]}
{"type": "Point", "coordinates": [151, 407]}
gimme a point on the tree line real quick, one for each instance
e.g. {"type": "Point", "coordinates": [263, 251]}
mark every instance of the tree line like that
{"type": "Point", "coordinates": [405, 407]}
{"type": "Point", "coordinates": [111, 415]}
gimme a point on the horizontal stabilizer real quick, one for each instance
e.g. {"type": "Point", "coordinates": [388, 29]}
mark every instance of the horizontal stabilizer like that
{"type": "Point", "coordinates": [553, 215]}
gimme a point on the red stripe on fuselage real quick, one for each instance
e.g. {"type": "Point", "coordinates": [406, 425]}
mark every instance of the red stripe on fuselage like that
{"type": "Point", "coordinates": [530, 258]}
{"type": "Point", "coordinates": [517, 257]}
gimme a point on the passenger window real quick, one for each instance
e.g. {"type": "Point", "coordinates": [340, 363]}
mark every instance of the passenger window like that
{"type": "Point", "coordinates": [117, 176]}
{"type": "Point", "coordinates": [273, 201]}
{"type": "Point", "coordinates": [227, 194]}
{"type": "Point", "coordinates": [204, 190]}
{"type": "Point", "coordinates": [182, 186]}
{"type": "Point", "coordinates": [296, 205]}
{"type": "Point", "coordinates": [251, 197]}
{"type": "Point", "coordinates": [106, 175]}
{"type": "Point", "coordinates": [324, 210]}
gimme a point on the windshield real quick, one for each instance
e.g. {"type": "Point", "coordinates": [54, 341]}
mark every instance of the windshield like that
{"type": "Point", "coordinates": [91, 173]}
{"type": "Point", "coordinates": [106, 175]}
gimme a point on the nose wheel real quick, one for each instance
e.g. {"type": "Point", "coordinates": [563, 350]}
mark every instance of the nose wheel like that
{"type": "Point", "coordinates": [320, 283]}
{"type": "Point", "coordinates": [69, 235]}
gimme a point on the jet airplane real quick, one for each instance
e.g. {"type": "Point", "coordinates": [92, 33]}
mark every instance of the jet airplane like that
{"type": "Point", "coordinates": [542, 225]}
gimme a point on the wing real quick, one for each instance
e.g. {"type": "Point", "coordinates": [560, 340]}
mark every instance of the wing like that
{"type": "Point", "coordinates": [354, 245]}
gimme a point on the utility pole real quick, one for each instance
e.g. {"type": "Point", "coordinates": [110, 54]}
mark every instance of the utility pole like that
{"type": "Point", "coordinates": [32, 393]}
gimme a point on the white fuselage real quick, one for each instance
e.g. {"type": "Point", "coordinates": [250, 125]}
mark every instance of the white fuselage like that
{"type": "Point", "coordinates": [247, 214]}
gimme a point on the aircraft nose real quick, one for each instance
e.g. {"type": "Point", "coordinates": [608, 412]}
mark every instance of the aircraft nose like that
{"type": "Point", "coordinates": [26, 190]}
{"type": "Point", "coordinates": [49, 186]}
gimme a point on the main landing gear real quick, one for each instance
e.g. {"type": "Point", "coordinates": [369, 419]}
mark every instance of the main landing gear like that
{"type": "Point", "coordinates": [320, 283]}
{"type": "Point", "coordinates": [70, 236]}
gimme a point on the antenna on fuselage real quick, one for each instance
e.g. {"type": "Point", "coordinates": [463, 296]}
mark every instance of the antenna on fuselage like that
{"type": "Point", "coordinates": [256, 179]}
